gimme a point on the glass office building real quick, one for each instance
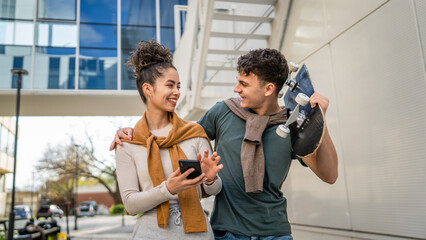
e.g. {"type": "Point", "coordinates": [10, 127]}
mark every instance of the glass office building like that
{"type": "Point", "coordinates": [7, 144]}
{"type": "Point", "coordinates": [78, 44]}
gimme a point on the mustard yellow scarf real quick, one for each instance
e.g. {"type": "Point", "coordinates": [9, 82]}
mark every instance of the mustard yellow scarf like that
{"type": "Point", "coordinates": [192, 212]}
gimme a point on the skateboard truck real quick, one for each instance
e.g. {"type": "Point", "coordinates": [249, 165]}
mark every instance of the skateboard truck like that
{"type": "Point", "coordinates": [296, 116]}
{"type": "Point", "coordinates": [291, 83]}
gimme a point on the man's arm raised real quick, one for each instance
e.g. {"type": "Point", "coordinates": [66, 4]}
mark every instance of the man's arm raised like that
{"type": "Point", "coordinates": [324, 161]}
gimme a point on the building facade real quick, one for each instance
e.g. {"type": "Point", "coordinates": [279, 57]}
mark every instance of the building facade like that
{"type": "Point", "coordinates": [75, 52]}
{"type": "Point", "coordinates": [28, 198]}
{"type": "Point", "coordinates": [96, 193]}
{"type": "Point", "coordinates": [7, 143]}
{"type": "Point", "coordinates": [76, 45]}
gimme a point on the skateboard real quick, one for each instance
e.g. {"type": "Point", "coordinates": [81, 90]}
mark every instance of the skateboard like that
{"type": "Point", "coordinates": [305, 125]}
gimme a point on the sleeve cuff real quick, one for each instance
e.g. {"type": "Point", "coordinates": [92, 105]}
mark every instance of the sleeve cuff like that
{"type": "Point", "coordinates": [213, 188]}
{"type": "Point", "coordinates": [165, 191]}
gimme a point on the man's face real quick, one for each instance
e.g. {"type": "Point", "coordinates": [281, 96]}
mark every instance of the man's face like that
{"type": "Point", "coordinates": [251, 91]}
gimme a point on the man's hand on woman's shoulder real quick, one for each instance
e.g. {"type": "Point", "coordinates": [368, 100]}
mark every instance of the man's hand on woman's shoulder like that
{"type": "Point", "coordinates": [126, 133]}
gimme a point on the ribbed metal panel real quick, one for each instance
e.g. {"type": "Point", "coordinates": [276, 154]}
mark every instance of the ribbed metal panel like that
{"type": "Point", "coordinates": [372, 67]}
{"type": "Point", "coordinates": [420, 6]}
{"type": "Point", "coordinates": [380, 85]}
{"type": "Point", "coordinates": [310, 201]}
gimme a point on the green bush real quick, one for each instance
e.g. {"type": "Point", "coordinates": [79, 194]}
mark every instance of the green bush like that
{"type": "Point", "coordinates": [116, 209]}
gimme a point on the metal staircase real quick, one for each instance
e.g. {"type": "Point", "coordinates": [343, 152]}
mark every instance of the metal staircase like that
{"type": "Point", "coordinates": [216, 33]}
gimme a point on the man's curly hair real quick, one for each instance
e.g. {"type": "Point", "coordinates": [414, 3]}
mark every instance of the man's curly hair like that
{"type": "Point", "coordinates": [149, 61]}
{"type": "Point", "coordinates": [269, 65]}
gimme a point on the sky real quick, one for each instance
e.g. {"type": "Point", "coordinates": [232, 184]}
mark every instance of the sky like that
{"type": "Point", "coordinates": [37, 133]}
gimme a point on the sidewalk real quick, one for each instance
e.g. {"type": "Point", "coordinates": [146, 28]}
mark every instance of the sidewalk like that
{"type": "Point", "coordinates": [115, 232]}
{"type": "Point", "coordinates": [100, 227]}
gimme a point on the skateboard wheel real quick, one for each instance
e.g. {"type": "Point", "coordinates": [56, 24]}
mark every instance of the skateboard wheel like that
{"type": "Point", "coordinates": [302, 99]}
{"type": "Point", "coordinates": [283, 131]}
{"type": "Point", "coordinates": [280, 94]}
{"type": "Point", "coordinates": [293, 67]}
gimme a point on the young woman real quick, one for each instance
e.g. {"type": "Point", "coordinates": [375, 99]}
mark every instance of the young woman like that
{"type": "Point", "coordinates": [147, 166]}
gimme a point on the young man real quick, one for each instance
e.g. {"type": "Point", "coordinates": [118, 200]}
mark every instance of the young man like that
{"type": "Point", "coordinates": [255, 159]}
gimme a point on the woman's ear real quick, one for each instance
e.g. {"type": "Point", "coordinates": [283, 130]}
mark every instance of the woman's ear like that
{"type": "Point", "coordinates": [269, 89]}
{"type": "Point", "coordinates": [147, 90]}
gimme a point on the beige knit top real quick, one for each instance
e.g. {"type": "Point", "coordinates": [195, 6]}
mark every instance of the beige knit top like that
{"type": "Point", "coordinates": [136, 188]}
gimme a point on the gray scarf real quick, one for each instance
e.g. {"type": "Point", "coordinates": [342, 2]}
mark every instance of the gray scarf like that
{"type": "Point", "coordinates": [252, 157]}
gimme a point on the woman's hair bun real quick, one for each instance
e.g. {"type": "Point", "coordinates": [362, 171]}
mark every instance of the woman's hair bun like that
{"type": "Point", "coordinates": [149, 53]}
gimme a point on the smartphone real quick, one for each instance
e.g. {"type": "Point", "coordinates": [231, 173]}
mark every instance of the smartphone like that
{"type": "Point", "coordinates": [185, 164]}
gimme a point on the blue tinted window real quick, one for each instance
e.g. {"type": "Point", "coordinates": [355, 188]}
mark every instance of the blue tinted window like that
{"type": "Point", "coordinates": [98, 69]}
{"type": "Point", "coordinates": [57, 9]}
{"type": "Point", "coordinates": [98, 11]}
{"type": "Point", "coordinates": [54, 73]}
{"type": "Point", "coordinates": [168, 38]}
{"type": "Point", "coordinates": [17, 9]}
{"type": "Point", "coordinates": [140, 12]}
{"type": "Point", "coordinates": [56, 51]}
{"type": "Point", "coordinates": [18, 62]}
{"type": "Point", "coordinates": [3, 143]}
{"type": "Point", "coordinates": [127, 79]}
{"type": "Point", "coordinates": [11, 144]}
{"type": "Point", "coordinates": [98, 53]}
{"type": "Point", "coordinates": [16, 32]}
{"type": "Point", "coordinates": [98, 36]}
{"type": "Point", "coordinates": [10, 57]}
{"type": "Point", "coordinates": [131, 36]}
{"type": "Point", "coordinates": [54, 68]}
{"type": "Point", "coordinates": [167, 12]}
{"type": "Point", "coordinates": [71, 73]}
{"type": "Point", "coordinates": [56, 34]}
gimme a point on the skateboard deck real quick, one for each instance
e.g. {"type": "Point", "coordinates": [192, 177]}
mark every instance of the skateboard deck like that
{"type": "Point", "coordinates": [307, 128]}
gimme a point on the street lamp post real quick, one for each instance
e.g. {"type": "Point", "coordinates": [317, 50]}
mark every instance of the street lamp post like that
{"type": "Point", "coordinates": [19, 73]}
{"type": "Point", "coordinates": [67, 209]}
{"type": "Point", "coordinates": [32, 191]}
{"type": "Point", "coordinates": [76, 186]}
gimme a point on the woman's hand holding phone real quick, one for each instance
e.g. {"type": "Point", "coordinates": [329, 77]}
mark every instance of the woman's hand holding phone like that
{"type": "Point", "coordinates": [178, 182]}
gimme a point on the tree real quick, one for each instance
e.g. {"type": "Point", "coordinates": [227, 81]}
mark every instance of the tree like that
{"type": "Point", "coordinates": [60, 191]}
{"type": "Point", "coordinates": [60, 163]}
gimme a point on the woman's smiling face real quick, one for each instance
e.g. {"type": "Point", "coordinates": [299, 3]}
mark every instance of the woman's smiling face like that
{"type": "Point", "coordinates": [165, 93]}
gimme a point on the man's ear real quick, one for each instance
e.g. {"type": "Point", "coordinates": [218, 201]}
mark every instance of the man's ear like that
{"type": "Point", "coordinates": [269, 89]}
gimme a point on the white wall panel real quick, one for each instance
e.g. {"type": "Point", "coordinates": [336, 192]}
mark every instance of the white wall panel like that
{"type": "Point", "coordinates": [341, 14]}
{"type": "Point", "coordinates": [381, 92]}
{"type": "Point", "coordinates": [310, 200]}
{"type": "Point", "coordinates": [311, 235]}
{"type": "Point", "coordinates": [306, 29]}
{"type": "Point", "coordinates": [314, 23]}
{"type": "Point", "coordinates": [420, 6]}
{"type": "Point", "coordinates": [373, 71]}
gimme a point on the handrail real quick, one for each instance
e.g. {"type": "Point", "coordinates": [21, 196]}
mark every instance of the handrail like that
{"type": "Point", "coordinates": [185, 49]}
{"type": "Point", "coordinates": [177, 10]}
{"type": "Point", "coordinates": [203, 42]}
{"type": "Point", "coordinates": [191, 48]}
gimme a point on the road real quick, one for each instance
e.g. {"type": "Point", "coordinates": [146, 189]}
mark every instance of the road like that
{"type": "Point", "coordinates": [99, 227]}
{"type": "Point", "coordinates": [103, 226]}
